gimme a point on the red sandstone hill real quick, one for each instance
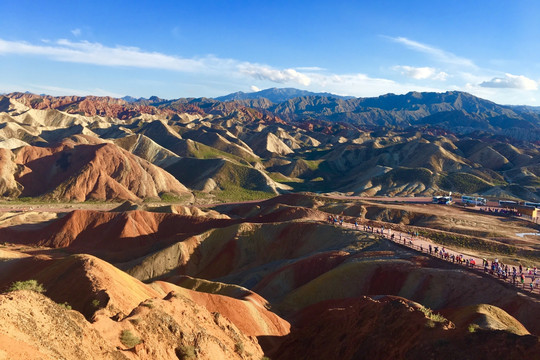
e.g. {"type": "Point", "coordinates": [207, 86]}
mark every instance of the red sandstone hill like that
{"type": "Point", "coordinates": [84, 172]}
{"type": "Point", "coordinates": [94, 287]}
{"type": "Point", "coordinates": [125, 236]}
{"type": "Point", "coordinates": [168, 319]}
{"type": "Point", "coordinates": [86, 105]}
{"type": "Point", "coordinates": [115, 236]}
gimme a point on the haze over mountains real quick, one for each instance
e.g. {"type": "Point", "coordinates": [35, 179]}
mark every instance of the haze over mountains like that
{"type": "Point", "coordinates": [272, 141]}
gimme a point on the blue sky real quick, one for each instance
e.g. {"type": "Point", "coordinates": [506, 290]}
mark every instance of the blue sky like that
{"type": "Point", "coordinates": [200, 48]}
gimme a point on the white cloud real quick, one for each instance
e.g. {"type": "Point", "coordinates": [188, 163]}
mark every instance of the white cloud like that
{"type": "Point", "coordinates": [253, 88]}
{"type": "Point", "coordinates": [512, 82]}
{"type": "Point", "coordinates": [76, 32]}
{"type": "Point", "coordinates": [502, 95]}
{"type": "Point", "coordinates": [309, 68]}
{"type": "Point", "coordinates": [263, 72]}
{"type": "Point", "coordinates": [421, 73]}
{"type": "Point", "coordinates": [58, 90]}
{"type": "Point", "coordinates": [438, 54]}
{"type": "Point", "coordinates": [85, 52]}
{"type": "Point", "coordinates": [361, 85]}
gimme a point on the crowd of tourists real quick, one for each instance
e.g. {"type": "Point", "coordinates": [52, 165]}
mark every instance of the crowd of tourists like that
{"type": "Point", "coordinates": [515, 275]}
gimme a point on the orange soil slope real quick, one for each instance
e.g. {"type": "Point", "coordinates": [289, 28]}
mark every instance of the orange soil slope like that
{"type": "Point", "coordinates": [83, 172]}
{"type": "Point", "coordinates": [96, 288]}
{"type": "Point", "coordinates": [249, 315]}
{"type": "Point", "coordinates": [34, 327]}
{"type": "Point", "coordinates": [124, 236]}
{"type": "Point", "coordinates": [114, 236]}
{"type": "Point", "coordinates": [8, 185]}
{"type": "Point", "coordinates": [85, 282]}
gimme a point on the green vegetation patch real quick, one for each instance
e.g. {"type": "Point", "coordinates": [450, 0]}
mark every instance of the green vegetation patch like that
{"type": "Point", "coordinates": [313, 164]}
{"type": "Point", "coordinates": [65, 305]}
{"type": "Point", "coordinates": [243, 176]}
{"type": "Point", "coordinates": [279, 177]}
{"type": "Point", "coordinates": [202, 151]}
{"type": "Point", "coordinates": [463, 183]}
{"type": "Point", "coordinates": [432, 317]}
{"type": "Point", "coordinates": [237, 193]}
{"type": "Point", "coordinates": [239, 348]}
{"type": "Point", "coordinates": [403, 176]}
{"type": "Point", "coordinates": [174, 198]}
{"type": "Point", "coordinates": [128, 339]}
{"type": "Point", "coordinates": [29, 200]}
{"type": "Point", "coordinates": [31, 285]}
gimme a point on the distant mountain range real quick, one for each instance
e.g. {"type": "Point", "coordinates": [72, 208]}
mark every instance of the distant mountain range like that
{"type": "Point", "coordinates": [454, 111]}
{"type": "Point", "coordinates": [276, 95]}
{"type": "Point", "coordinates": [416, 143]}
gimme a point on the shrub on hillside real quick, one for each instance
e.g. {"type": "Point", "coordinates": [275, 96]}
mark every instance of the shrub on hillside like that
{"type": "Point", "coordinates": [31, 285]}
{"type": "Point", "coordinates": [432, 316]}
{"type": "Point", "coordinates": [128, 339]}
{"type": "Point", "coordinates": [185, 352]}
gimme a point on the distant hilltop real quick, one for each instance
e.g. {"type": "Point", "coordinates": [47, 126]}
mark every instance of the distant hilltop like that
{"type": "Point", "coordinates": [277, 95]}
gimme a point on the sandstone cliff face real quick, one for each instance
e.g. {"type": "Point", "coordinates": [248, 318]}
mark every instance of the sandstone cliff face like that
{"type": "Point", "coordinates": [83, 172]}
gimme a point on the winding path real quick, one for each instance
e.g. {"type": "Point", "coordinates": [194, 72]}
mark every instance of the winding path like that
{"type": "Point", "coordinates": [421, 244]}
